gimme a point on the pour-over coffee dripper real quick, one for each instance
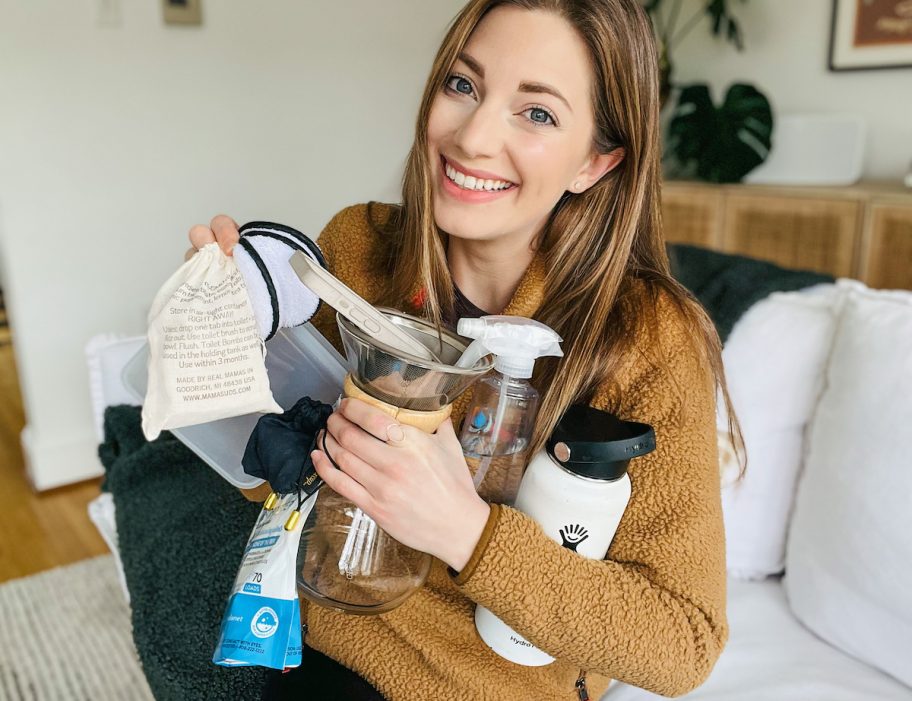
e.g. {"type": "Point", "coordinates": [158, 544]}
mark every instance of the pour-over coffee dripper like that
{"type": "Point", "coordinates": [346, 561]}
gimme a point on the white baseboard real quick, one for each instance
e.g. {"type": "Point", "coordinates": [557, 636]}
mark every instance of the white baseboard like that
{"type": "Point", "coordinates": [56, 462]}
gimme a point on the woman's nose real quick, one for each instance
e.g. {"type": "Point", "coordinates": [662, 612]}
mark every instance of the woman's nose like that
{"type": "Point", "coordinates": [480, 134]}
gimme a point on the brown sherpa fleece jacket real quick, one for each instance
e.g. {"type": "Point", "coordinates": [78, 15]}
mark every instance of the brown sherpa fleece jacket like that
{"type": "Point", "coordinates": [651, 614]}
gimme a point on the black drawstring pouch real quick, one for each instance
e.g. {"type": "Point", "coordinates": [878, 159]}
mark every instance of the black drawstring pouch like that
{"type": "Point", "coordinates": [279, 448]}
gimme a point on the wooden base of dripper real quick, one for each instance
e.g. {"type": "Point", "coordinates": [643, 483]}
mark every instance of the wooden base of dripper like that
{"type": "Point", "coordinates": [427, 421]}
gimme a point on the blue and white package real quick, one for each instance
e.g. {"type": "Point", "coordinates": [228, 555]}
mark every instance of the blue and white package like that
{"type": "Point", "coordinates": [262, 623]}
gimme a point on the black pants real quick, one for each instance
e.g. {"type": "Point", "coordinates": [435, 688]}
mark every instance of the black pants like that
{"type": "Point", "coordinates": [319, 678]}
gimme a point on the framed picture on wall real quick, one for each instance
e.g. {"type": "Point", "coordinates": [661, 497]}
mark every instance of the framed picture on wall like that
{"type": "Point", "coordinates": [871, 34]}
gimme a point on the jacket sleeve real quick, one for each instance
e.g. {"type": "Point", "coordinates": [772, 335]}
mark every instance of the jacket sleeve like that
{"type": "Point", "coordinates": [652, 614]}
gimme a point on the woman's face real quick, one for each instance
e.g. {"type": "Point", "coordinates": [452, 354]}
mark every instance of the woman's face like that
{"type": "Point", "coordinates": [513, 126]}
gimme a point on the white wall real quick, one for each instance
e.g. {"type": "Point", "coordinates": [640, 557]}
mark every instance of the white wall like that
{"type": "Point", "coordinates": [115, 140]}
{"type": "Point", "coordinates": [786, 55]}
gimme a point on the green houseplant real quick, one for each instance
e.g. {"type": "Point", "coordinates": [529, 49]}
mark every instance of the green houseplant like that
{"type": "Point", "coordinates": [670, 32]}
{"type": "Point", "coordinates": [719, 144]}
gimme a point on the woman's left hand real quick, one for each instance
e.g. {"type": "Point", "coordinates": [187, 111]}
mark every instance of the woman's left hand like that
{"type": "Point", "coordinates": [415, 485]}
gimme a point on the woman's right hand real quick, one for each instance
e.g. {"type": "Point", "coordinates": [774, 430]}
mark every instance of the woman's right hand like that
{"type": "Point", "coordinates": [222, 229]}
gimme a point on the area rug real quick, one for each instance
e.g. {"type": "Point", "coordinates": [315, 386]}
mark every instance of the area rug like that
{"type": "Point", "coordinates": [65, 635]}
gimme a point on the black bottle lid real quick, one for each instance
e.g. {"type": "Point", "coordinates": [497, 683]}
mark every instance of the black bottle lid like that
{"type": "Point", "coordinates": [595, 444]}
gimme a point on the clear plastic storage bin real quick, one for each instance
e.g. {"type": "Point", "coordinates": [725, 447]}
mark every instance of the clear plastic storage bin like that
{"type": "Point", "coordinates": [299, 362]}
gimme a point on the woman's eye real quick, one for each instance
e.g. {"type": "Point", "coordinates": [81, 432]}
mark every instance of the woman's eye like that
{"type": "Point", "coordinates": [459, 84]}
{"type": "Point", "coordinates": [539, 115]}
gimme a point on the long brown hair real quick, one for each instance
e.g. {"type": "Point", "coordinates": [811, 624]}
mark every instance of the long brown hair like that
{"type": "Point", "coordinates": [598, 243]}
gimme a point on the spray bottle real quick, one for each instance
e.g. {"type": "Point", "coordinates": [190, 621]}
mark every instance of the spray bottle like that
{"type": "Point", "coordinates": [498, 426]}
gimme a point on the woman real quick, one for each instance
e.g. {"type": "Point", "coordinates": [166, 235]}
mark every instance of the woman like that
{"type": "Point", "coordinates": [532, 188]}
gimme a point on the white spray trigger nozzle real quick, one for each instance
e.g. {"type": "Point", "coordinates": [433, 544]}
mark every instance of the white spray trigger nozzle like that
{"type": "Point", "coordinates": [516, 341]}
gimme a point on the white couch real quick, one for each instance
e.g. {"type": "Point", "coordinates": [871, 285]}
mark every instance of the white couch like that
{"type": "Point", "coordinates": [822, 382]}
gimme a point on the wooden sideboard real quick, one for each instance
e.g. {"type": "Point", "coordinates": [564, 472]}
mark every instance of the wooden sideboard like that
{"type": "Point", "coordinates": [863, 231]}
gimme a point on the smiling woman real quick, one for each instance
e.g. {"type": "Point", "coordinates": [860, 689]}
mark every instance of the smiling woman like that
{"type": "Point", "coordinates": [532, 189]}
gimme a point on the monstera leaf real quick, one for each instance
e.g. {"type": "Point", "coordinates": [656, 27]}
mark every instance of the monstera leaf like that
{"type": "Point", "coordinates": [719, 144]}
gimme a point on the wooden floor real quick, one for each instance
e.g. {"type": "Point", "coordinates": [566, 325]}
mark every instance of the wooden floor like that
{"type": "Point", "coordinates": [37, 531]}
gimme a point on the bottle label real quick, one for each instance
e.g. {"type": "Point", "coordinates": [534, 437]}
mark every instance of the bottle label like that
{"type": "Point", "coordinates": [479, 422]}
{"type": "Point", "coordinates": [480, 437]}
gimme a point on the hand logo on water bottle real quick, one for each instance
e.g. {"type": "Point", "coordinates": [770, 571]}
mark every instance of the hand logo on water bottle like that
{"type": "Point", "coordinates": [572, 536]}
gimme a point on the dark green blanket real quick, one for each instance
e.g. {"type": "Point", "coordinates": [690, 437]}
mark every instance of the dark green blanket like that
{"type": "Point", "coordinates": [729, 285]}
{"type": "Point", "coordinates": [182, 528]}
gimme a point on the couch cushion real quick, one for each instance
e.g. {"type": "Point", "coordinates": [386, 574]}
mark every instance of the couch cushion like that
{"type": "Point", "coordinates": [774, 363]}
{"type": "Point", "coordinates": [770, 656]}
{"type": "Point", "coordinates": [849, 561]}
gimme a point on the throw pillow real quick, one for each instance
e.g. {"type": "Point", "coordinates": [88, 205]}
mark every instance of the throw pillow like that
{"type": "Point", "coordinates": [774, 363]}
{"type": "Point", "coordinates": [849, 562]}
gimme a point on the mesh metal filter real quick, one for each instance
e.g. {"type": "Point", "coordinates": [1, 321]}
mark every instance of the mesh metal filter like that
{"type": "Point", "coordinates": [404, 380]}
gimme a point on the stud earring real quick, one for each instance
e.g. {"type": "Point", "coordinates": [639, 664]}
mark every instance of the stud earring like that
{"type": "Point", "coordinates": [576, 186]}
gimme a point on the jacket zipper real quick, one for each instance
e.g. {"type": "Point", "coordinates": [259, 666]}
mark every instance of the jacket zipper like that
{"type": "Point", "coordinates": [581, 691]}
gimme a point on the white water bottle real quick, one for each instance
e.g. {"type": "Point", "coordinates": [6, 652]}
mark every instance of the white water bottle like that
{"type": "Point", "coordinates": [577, 490]}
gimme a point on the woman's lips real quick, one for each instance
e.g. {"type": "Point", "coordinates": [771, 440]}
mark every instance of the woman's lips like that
{"type": "Point", "coordinates": [469, 196]}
